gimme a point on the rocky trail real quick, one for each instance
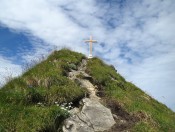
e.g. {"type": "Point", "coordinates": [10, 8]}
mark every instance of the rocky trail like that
{"type": "Point", "coordinates": [92, 115]}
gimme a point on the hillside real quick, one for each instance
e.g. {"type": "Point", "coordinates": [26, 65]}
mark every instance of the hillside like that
{"type": "Point", "coordinates": [44, 96]}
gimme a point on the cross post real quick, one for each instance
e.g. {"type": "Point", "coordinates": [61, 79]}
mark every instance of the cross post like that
{"type": "Point", "coordinates": [90, 41]}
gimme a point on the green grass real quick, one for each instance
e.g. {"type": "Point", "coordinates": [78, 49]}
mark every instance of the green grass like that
{"type": "Point", "coordinates": [157, 117]}
{"type": "Point", "coordinates": [44, 83]}
{"type": "Point", "coordinates": [30, 118]}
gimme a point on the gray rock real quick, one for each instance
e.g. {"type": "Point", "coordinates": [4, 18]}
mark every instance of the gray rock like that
{"type": "Point", "coordinates": [76, 124]}
{"type": "Point", "coordinates": [93, 117]}
{"type": "Point", "coordinates": [99, 116]}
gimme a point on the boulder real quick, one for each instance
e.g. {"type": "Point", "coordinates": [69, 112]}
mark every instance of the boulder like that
{"type": "Point", "coordinates": [93, 117]}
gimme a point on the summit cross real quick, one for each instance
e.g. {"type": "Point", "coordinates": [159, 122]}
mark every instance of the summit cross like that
{"type": "Point", "coordinates": [90, 41]}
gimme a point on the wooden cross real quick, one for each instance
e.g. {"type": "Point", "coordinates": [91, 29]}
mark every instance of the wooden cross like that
{"type": "Point", "coordinates": [90, 45]}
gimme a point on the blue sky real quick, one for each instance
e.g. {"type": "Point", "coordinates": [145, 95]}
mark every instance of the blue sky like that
{"type": "Point", "coordinates": [13, 43]}
{"type": "Point", "coordinates": [137, 37]}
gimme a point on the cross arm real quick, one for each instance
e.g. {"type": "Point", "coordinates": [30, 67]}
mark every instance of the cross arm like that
{"type": "Point", "coordinates": [93, 41]}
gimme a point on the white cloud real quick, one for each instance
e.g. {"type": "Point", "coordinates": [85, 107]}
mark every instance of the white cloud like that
{"type": "Point", "coordinates": [8, 70]}
{"type": "Point", "coordinates": [138, 36]}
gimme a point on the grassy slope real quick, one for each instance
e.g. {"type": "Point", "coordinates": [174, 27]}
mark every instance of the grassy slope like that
{"type": "Point", "coordinates": [153, 116]}
{"type": "Point", "coordinates": [45, 83]}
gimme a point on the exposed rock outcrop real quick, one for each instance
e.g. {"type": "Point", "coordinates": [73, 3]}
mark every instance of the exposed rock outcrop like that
{"type": "Point", "coordinates": [91, 118]}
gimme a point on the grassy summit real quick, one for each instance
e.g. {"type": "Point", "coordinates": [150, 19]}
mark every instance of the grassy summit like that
{"type": "Point", "coordinates": [33, 101]}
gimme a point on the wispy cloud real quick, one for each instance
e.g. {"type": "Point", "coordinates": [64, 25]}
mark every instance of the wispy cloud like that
{"type": "Point", "coordinates": [8, 70]}
{"type": "Point", "coordinates": [135, 36]}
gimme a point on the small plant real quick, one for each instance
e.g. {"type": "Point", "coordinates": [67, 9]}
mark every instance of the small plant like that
{"type": "Point", "coordinates": [72, 66]}
{"type": "Point", "coordinates": [81, 76]}
{"type": "Point", "coordinates": [34, 96]}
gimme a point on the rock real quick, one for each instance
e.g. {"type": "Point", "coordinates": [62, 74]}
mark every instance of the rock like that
{"type": "Point", "coordinates": [84, 62]}
{"type": "Point", "coordinates": [93, 117]}
{"type": "Point", "coordinates": [116, 117]}
{"type": "Point", "coordinates": [99, 116]}
{"type": "Point", "coordinates": [88, 85]}
{"type": "Point", "coordinates": [82, 67]}
{"type": "Point", "coordinates": [74, 111]}
{"type": "Point", "coordinates": [75, 124]}
{"type": "Point", "coordinates": [122, 121]}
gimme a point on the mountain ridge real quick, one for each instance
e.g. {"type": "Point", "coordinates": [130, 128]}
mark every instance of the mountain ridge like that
{"type": "Point", "coordinates": [47, 91]}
